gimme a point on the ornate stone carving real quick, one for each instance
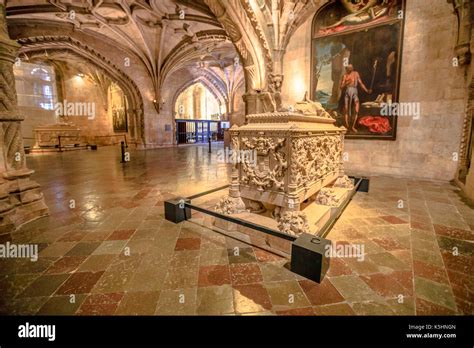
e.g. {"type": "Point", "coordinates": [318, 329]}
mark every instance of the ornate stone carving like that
{"type": "Point", "coordinates": [21, 199]}
{"type": "Point", "coordinates": [344, 182]}
{"type": "Point", "coordinates": [293, 223]}
{"type": "Point", "coordinates": [7, 96]}
{"type": "Point", "coordinates": [327, 196]}
{"type": "Point", "coordinates": [298, 154]}
{"type": "Point", "coordinates": [229, 205]}
{"type": "Point", "coordinates": [309, 107]}
{"type": "Point", "coordinates": [262, 176]}
{"type": "Point", "coordinates": [464, 11]}
{"type": "Point", "coordinates": [231, 14]}
{"type": "Point", "coordinates": [259, 32]}
{"type": "Point", "coordinates": [314, 158]}
{"type": "Point", "coordinates": [13, 145]}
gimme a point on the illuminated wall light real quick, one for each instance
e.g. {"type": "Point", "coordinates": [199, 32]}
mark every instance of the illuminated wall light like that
{"type": "Point", "coordinates": [299, 87]}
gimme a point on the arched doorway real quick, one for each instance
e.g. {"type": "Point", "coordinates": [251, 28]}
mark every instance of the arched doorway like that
{"type": "Point", "coordinates": [199, 114]}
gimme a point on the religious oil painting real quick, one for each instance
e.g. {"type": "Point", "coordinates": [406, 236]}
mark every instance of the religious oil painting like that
{"type": "Point", "coordinates": [119, 120]}
{"type": "Point", "coordinates": [118, 109]}
{"type": "Point", "coordinates": [355, 65]}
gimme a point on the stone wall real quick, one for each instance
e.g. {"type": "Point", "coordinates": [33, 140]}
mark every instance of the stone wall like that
{"type": "Point", "coordinates": [424, 148]}
{"type": "Point", "coordinates": [82, 90]}
{"type": "Point", "coordinates": [154, 134]}
{"type": "Point", "coordinates": [34, 117]}
{"type": "Point", "coordinates": [173, 84]}
{"type": "Point", "coordinates": [75, 90]}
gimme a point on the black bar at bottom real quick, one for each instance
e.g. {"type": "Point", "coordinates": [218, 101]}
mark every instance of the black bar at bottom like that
{"type": "Point", "coordinates": [331, 330]}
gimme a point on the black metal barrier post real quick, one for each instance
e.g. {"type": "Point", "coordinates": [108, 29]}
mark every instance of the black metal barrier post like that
{"type": "Point", "coordinates": [209, 139]}
{"type": "Point", "coordinates": [122, 149]}
{"type": "Point", "coordinates": [364, 185]}
{"type": "Point", "coordinates": [309, 252]}
{"type": "Point", "coordinates": [309, 256]}
{"type": "Point", "coordinates": [59, 143]}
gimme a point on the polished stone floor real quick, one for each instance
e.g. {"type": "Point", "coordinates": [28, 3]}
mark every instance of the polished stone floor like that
{"type": "Point", "coordinates": [106, 249]}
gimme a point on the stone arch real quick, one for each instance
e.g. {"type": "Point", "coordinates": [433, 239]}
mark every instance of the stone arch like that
{"type": "Point", "coordinates": [37, 45]}
{"type": "Point", "coordinates": [254, 56]}
{"type": "Point", "coordinates": [186, 51]}
{"type": "Point", "coordinates": [220, 97]}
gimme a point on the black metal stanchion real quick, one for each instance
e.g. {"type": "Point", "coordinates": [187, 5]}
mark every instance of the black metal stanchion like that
{"type": "Point", "coordinates": [122, 148]}
{"type": "Point", "coordinates": [209, 139]}
{"type": "Point", "coordinates": [59, 143]}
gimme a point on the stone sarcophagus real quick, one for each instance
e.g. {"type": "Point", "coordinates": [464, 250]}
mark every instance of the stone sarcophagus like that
{"type": "Point", "coordinates": [289, 171]}
{"type": "Point", "coordinates": [295, 156]}
{"type": "Point", "coordinates": [48, 135]}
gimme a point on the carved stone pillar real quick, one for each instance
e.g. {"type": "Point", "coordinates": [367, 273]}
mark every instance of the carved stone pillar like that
{"type": "Point", "coordinates": [464, 11]}
{"type": "Point", "coordinates": [234, 191]}
{"type": "Point", "coordinates": [197, 103]}
{"type": "Point", "coordinates": [251, 103]}
{"type": "Point", "coordinates": [21, 199]}
{"type": "Point", "coordinates": [233, 203]}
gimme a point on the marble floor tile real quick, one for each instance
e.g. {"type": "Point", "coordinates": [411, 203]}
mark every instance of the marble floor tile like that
{"type": "Point", "coordinates": [286, 295]}
{"type": "Point", "coordinates": [117, 255]}
{"type": "Point", "coordinates": [215, 300]}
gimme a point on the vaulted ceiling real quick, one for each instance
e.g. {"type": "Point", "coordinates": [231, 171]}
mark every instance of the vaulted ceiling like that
{"type": "Point", "coordinates": [212, 38]}
{"type": "Point", "coordinates": [149, 28]}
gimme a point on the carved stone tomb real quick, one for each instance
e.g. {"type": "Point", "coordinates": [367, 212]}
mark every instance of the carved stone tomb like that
{"type": "Point", "coordinates": [295, 176]}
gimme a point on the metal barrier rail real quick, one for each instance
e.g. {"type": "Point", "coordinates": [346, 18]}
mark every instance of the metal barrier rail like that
{"type": "Point", "coordinates": [241, 222]}
{"type": "Point", "coordinates": [322, 233]}
{"type": "Point", "coordinates": [111, 136]}
{"type": "Point", "coordinates": [308, 251]}
{"type": "Point", "coordinates": [329, 225]}
{"type": "Point", "coordinates": [123, 144]}
{"type": "Point", "coordinates": [208, 192]}
{"type": "Point", "coordinates": [96, 136]}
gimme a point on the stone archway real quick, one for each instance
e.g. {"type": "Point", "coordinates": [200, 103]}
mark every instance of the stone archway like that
{"type": "Point", "coordinates": [253, 53]}
{"type": "Point", "coordinates": [261, 32]}
{"type": "Point", "coordinates": [37, 46]}
{"type": "Point", "coordinates": [218, 95]}
{"type": "Point", "coordinates": [247, 43]}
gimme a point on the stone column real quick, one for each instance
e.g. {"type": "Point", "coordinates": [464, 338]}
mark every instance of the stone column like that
{"type": "Point", "coordinates": [238, 205]}
{"type": "Point", "coordinates": [464, 49]}
{"type": "Point", "coordinates": [251, 103]}
{"type": "Point", "coordinates": [197, 102]}
{"type": "Point", "coordinates": [21, 199]}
